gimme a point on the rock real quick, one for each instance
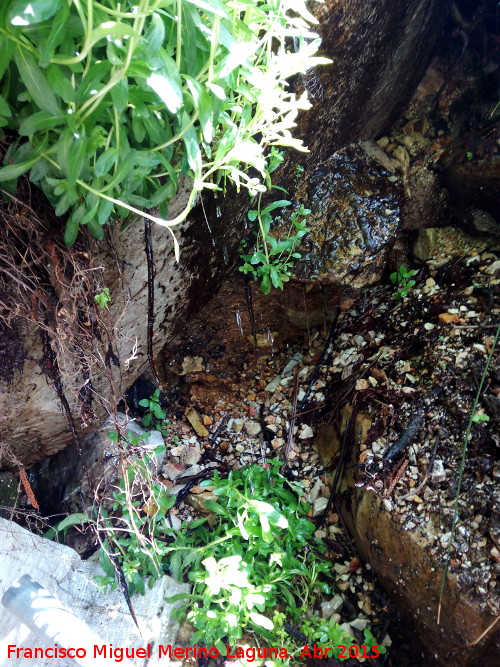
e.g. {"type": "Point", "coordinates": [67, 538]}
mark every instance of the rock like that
{"type": "Point", "coordinates": [179, 290]}
{"type": "Point", "coordinates": [188, 456]}
{"type": "Point", "coordinates": [428, 202]}
{"type": "Point", "coordinates": [319, 506]}
{"type": "Point", "coordinates": [253, 428]}
{"type": "Point", "coordinates": [306, 432]}
{"type": "Point", "coordinates": [424, 246]}
{"type": "Point", "coordinates": [314, 492]}
{"type": "Point", "coordinates": [355, 211]}
{"type": "Point", "coordinates": [448, 318]}
{"type": "Point", "coordinates": [328, 609]}
{"type": "Point", "coordinates": [438, 473]}
{"type": "Point", "coordinates": [400, 560]}
{"type": "Point", "coordinates": [173, 470]}
{"type": "Point", "coordinates": [61, 571]}
{"type": "Point", "coordinates": [194, 419]}
{"type": "Point", "coordinates": [197, 501]}
{"type": "Point", "coordinates": [375, 71]}
{"type": "Point", "coordinates": [493, 269]}
{"type": "Point", "coordinates": [191, 365]}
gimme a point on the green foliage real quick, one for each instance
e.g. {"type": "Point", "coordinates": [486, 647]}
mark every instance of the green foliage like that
{"type": "Point", "coordinates": [254, 565]}
{"type": "Point", "coordinates": [103, 299]}
{"type": "Point", "coordinates": [115, 104]}
{"type": "Point", "coordinates": [155, 416]}
{"type": "Point", "coordinates": [272, 259]}
{"type": "Point", "coordinates": [403, 279]}
{"type": "Point", "coordinates": [326, 634]}
{"type": "Point", "coordinates": [480, 417]}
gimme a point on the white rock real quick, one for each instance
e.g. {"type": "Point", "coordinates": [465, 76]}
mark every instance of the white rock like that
{"type": "Point", "coordinates": [438, 473]}
{"type": "Point", "coordinates": [306, 432]}
{"type": "Point", "coordinates": [328, 609]}
{"type": "Point", "coordinates": [319, 506]}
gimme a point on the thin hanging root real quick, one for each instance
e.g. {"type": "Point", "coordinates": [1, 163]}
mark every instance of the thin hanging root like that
{"type": "Point", "coordinates": [27, 488]}
{"type": "Point", "coordinates": [476, 641]}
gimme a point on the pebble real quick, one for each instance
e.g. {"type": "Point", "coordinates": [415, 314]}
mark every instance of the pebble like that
{"type": "Point", "coordinates": [252, 427]}
{"type": "Point", "coordinates": [306, 432]}
{"type": "Point", "coordinates": [319, 506]}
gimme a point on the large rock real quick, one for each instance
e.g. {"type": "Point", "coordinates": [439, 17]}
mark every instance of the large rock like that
{"type": "Point", "coordinates": [355, 201]}
{"type": "Point", "coordinates": [64, 575]}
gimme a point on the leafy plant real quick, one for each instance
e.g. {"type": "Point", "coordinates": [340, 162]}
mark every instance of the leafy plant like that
{"type": "Point", "coordinates": [103, 299]}
{"type": "Point", "coordinates": [254, 565]}
{"type": "Point", "coordinates": [117, 104]}
{"type": "Point", "coordinates": [403, 279]}
{"type": "Point", "coordinates": [155, 415]}
{"type": "Point", "coordinates": [272, 260]}
{"type": "Point", "coordinates": [326, 633]}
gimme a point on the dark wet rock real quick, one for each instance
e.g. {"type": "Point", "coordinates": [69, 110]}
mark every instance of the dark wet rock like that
{"type": "Point", "coordinates": [473, 180]}
{"type": "Point", "coordinates": [426, 204]}
{"type": "Point", "coordinates": [355, 205]}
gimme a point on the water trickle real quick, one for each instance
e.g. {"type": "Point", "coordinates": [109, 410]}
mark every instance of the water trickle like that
{"type": "Point", "coordinates": [248, 297]}
{"type": "Point", "coordinates": [218, 211]}
{"type": "Point", "coordinates": [225, 254]}
{"type": "Point", "coordinates": [238, 322]}
{"type": "Point", "coordinates": [270, 338]}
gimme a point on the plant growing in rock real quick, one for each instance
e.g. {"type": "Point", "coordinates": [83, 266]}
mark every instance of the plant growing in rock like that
{"type": "Point", "coordinates": [402, 278]}
{"type": "Point", "coordinates": [114, 105]}
{"type": "Point", "coordinates": [272, 259]}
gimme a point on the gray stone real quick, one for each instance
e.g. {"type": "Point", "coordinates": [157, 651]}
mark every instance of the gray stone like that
{"type": "Point", "coordinates": [424, 246]}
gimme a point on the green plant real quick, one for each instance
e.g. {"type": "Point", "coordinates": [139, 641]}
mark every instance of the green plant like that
{"type": "Point", "coordinates": [403, 279]}
{"type": "Point", "coordinates": [155, 416]}
{"type": "Point", "coordinates": [480, 417]}
{"type": "Point", "coordinates": [103, 299]}
{"type": "Point", "coordinates": [272, 259]}
{"type": "Point", "coordinates": [114, 104]}
{"type": "Point", "coordinates": [254, 564]}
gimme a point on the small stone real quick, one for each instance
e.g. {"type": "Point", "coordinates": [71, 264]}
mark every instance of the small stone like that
{"type": "Point", "coordinates": [438, 473]}
{"type": "Point", "coordinates": [306, 432]}
{"type": "Point", "coordinates": [428, 326]}
{"type": "Point", "coordinates": [494, 268]}
{"type": "Point", "coordinates": [252, 427]}
{"type": "Point", "coordinates": [495, 554]}
{"type": "Point", "coordinates": [276, 443]}
{"type": "Point", "coordinates": [361, 385]}
{"type": "Point", "coordinates": [329, 608]}
{"type": "Point", "coordinates": [173, 470]}
{"type": "Point", "coordinates": [237, 425]}
{"type": "Point", "coordinates": [319, 506]}
{"type": "Point", "coordinates": [207, 421]}
{"type": "Point", "coordinates": [448, 318]}
{"type": "Point", "coordinates": [191, 365]}
{"type": "Point", "coordinates": [194, 419]}
{"type": "Point", "coordinates": [424, 247]}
